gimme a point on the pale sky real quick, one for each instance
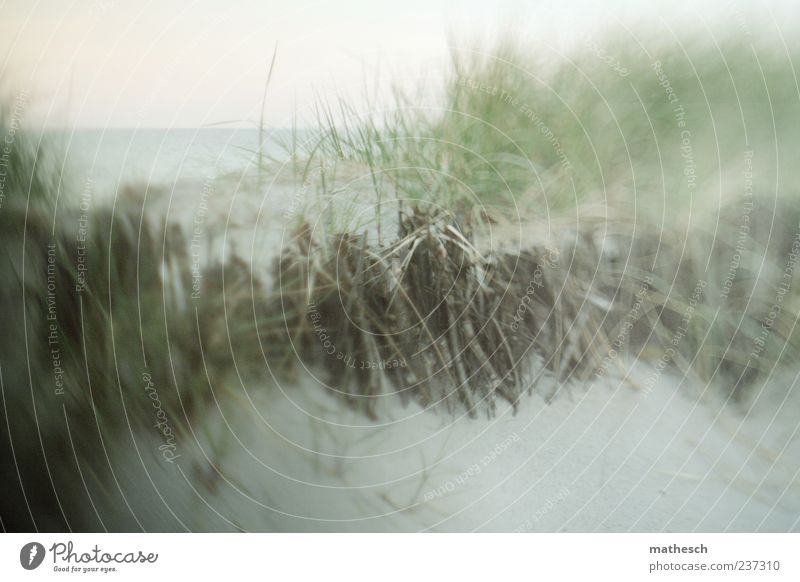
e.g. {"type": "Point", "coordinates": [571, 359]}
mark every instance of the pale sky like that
{"type": "Point", "coordinates": [114, 63]}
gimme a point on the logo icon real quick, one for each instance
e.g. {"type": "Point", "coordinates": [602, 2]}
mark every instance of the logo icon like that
{"type": "Point", "coordinates": [31, 555]}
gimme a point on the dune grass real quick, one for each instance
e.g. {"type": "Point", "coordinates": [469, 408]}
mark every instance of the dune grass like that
{"type": "Point", "coordinates": [683, 145]}
{"type": "Point", "coordinates": [589, 148]}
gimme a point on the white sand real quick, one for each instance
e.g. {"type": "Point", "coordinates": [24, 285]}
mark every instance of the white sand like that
{"type": "Point", "coordinates": [609, 458]}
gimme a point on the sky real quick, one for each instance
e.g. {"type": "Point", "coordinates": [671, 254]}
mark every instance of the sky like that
{"type": "Point", "coordinates": [114, 63]}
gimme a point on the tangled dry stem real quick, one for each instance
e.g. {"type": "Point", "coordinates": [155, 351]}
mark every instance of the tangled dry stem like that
{"type": "Point", "coordinates": [431, 317]}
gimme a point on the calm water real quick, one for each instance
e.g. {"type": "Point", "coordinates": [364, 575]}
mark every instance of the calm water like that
{"type": "Point", "coordinates": [164, 156]}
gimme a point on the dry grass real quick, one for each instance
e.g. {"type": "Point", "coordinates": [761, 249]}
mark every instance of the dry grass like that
{"type": "Point", "coordinates": [432, 317]}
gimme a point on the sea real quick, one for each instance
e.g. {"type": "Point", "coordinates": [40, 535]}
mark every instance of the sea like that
{"type": "Point", "coordinates": [111, 158]}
